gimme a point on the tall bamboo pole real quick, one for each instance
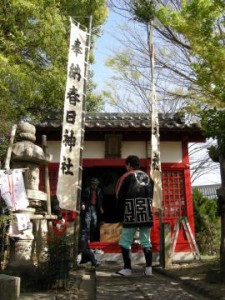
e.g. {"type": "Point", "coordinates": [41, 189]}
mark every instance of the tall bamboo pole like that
{"type": "Point", "coordinates": [9, 151]}
{"type": "Point", "coordinates": [155, 144]}
{"type": "Point", "coordinates": [47, 187]}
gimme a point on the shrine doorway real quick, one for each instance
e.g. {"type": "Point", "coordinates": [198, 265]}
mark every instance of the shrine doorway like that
{"type": "Point", "coordinates": [108, 177]}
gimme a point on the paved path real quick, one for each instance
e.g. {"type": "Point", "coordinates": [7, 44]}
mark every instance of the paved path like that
{"type": "Point", "coordinates": [102, 284]}
{"type": "Point", "coordinates": [110, 287]}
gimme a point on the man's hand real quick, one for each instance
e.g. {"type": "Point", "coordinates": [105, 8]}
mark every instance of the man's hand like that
{"type": "Point", "coordinates": [83, 207]}
{"type": "Point", "coordinates": [101, 211]}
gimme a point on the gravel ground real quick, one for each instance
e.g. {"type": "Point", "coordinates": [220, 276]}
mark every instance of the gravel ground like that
{"type": "Point", "coordinates": [202, 275]}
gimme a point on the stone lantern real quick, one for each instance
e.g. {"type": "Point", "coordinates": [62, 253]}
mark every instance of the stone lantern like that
{"type": "Point", "coordinates": [28, 156]}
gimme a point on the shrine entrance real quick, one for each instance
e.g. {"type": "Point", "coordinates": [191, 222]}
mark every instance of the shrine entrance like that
{"type": "Point", "coordinates": [108, 177]}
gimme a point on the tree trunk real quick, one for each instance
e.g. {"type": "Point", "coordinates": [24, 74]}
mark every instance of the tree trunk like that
{"type": "Point", "coordinates": [222, 212]}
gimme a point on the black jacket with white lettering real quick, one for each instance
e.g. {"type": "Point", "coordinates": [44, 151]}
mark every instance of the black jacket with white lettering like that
{"type": "Point", "coordinates": [134, 192]}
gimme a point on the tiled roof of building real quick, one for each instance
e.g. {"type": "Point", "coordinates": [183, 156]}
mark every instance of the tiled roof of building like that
{"type": "Point", "coordinates": [209, 191]}
{"type": "Point", "coordinates": [129, 120]}
{"type": "Point", "coordinates": [134, 120]}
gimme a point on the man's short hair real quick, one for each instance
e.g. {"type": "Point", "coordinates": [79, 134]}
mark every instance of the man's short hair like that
{"type": "Point", "coordinates": [133, 160]}
{"type": "Point", "coordinates": [94, 180]}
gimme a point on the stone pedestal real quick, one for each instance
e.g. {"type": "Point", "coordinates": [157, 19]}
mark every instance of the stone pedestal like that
{"type": "Point", "coordinates": [21, 244]}
{"type": "Point", "coordinates": [21, 253]}
{"type": "Point", "coordinates": [9, 287]}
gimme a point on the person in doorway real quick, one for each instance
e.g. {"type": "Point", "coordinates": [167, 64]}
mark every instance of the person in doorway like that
{"type": "Point", "coordinates": [91, 203]}
{"type": "Point", "coordinates": [134, 192]}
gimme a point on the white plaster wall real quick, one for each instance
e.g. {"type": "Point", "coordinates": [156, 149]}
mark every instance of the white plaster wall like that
{"type": "Point", "coordinates": [133, 148]}
{"type": "Point", "coordinates": [170, 151]}
{"type": "Point", "coordinates": [94, 149]}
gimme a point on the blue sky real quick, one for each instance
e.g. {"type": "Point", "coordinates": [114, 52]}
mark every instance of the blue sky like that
{"type": "Point", "coordinates": [103, 48]}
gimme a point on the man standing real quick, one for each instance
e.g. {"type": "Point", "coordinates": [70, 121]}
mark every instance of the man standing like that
{"type": "Point", "coordinates": [92, 205]}
{"type": "Point", "coordinates": [134, 192]}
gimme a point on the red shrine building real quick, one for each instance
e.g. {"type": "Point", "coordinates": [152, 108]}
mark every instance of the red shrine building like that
{"type": "Point", "coordinates": [109, 138]}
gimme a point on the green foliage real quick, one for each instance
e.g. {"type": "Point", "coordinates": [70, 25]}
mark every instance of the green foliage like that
{"type": "Point", "coordinates": [60, 257]}
{"type": "Point", "coordinates": [197, 26]}
{"type": "Point", "coordinates": [144, 10]}
{"type": "Point", "coordinates": [201, 23]}
{"type": "Point", "coordinates": [82, 9]}
{"type": "Point", "coordinates": [213, 126]}
{"type": "Point", "coordinates": [33, 57]}
{"type": "Point", "coordinates": [196, 29]}
{"type": "Point", "coordinates": [214, 153]}
{"type": "Point", "coordinates": [34, 39]}
{"type": "Point", "coordinates": [5, 128]}
{"type": "Point", "coordinates": [5, 219]}
{"type": "Point", "coordinates": [207, 224]}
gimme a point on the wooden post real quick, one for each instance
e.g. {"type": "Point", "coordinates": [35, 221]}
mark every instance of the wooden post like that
{"type": "Point", "coordinates": [9, 151]}
{"type": "Point", "coordinates": [167, 245]}
{"type": "Point", "coordinates": [46, 175]}
{"type": "Point", "coordinates": [47, 188]}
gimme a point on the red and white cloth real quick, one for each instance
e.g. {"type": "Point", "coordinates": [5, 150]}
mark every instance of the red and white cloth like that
{"type": "Point", "coordinates": [13, 190]}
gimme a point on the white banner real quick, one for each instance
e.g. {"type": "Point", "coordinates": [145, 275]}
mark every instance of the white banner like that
{"type": "Point", "coordinates": [70, 158]}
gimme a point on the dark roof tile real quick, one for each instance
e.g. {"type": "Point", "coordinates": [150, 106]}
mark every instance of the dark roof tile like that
{"type": "Point", "coordinates": [129, 120]}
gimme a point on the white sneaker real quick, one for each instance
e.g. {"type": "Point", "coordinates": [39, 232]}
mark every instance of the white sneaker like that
{"type": "Point", "coordinates": [148, 271]}
{"type": "Point", "coordinates": [98, 251]}
{"type": "Point", "coordinates": [124, 272]}
{"type": "Point", "coordinates": [79, 257]}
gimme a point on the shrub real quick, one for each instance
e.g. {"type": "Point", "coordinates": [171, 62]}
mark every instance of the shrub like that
{"type": "Point", "coordinates": [207, 223]}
